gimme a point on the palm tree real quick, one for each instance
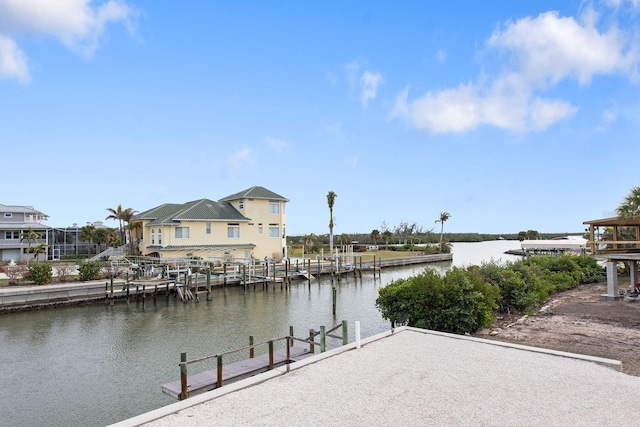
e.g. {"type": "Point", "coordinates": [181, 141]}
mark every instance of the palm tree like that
{"type": "Point", "coordinates": [38, 249]}
{"type": "Point", "coordinates": [127, 216]}
{"type": "Point", "coordinates": [375, 235]}
{"type": "Point", "coordinates": [101, 237]}
{"type": "Point", "coordinates": [117, 215]}
{"type": "Point", "coordinates": [130, 228]}
{"type": "Point", "coordinates": [331, 199]}
{"type": "Point", "coordinates": [30, 236]}
{"type": "Point", "coordinates": [444, 217]}
{"type": "Point", "coordinates": [87, 234]}
{"type": "Point", "coordinates": [630, 206]}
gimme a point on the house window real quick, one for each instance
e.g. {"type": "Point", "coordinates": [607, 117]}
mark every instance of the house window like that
{"type": "Point", "coordinates": [241, 204]}
{"type": "Point", "coordinates": [274, 207]}
{"type": "Point", "coordinates": [233, 231]}
{"type": "Point", "coordinates": [208, 228]}
{"type": "Point", "coordinates": [159, 236]}
{"type": "Point", "coordinates": [11, 234]}
{"type": "Point", "coordinates": [8, 215]}
{"type": "Point", "coordinates": [274, 230]}
{"type": "Point", "coordinates": [153, 236]}
{"type": "Point", "coordinates": [182, 232]}
{"type": "Point", "coordinates": [259, 228]}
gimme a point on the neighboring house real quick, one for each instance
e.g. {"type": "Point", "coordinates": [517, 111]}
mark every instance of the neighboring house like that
{"type": "Point", "coordinates": [245, 225]}
{"type": "Point", "coordinates": [15, 221]}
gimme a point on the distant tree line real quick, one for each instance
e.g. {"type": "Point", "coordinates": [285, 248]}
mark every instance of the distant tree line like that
{"type": "Point", "coordinates": [418, 235]}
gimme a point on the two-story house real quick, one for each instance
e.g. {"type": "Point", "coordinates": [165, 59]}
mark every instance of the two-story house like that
{"type": "Point", "coordinates": [15, 223]}
{"type": "Point", "coordinates": [245, 225]}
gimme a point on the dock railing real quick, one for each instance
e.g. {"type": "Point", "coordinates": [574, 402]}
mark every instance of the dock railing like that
{"type": "Point", "coordinates": [275, 358]}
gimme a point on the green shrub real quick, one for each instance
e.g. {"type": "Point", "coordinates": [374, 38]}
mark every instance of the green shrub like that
{"type": "Point", "coordinates": [515, 293]}
{"type": "Point", "coordinates": [592, 272]}
{"type": "Point", "coordinates": [459, 302]}
{"type": "Point", "coordinates": [90, 270]}
{"type": "Point", "coordinates": [40, 273]}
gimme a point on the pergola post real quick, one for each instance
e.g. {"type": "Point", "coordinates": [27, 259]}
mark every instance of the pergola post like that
{"type": "Point", "coordinates": [612, 282]}
{"type": "Point", "coordinates": [633, 274]}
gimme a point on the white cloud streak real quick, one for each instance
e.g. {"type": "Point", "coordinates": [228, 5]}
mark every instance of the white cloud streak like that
{"type": "Point", "coordinates": [276, 144]}
{"type": "Point", "coordinates": [238, 159]}
{"type": "Point", "coordinates": [78, 24]}
{"type": "Point", "coordinates": [366, 83]}
{"type": "Point", "coordinates": [369, 83]}
{"type": "Point", "coordinates": [541, 52]}
{"type": "Point", "coordinates": [12, 61]}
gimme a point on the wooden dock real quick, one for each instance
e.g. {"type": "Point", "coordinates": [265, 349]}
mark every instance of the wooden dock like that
{"type": "Point", "coordinates": [208, 380]}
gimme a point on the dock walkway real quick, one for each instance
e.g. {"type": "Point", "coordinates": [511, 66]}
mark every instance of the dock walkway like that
{"type": "Point", "coordinates": [207, 380]}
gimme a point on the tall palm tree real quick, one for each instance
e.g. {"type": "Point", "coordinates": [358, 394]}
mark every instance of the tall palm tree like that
{"type": "Point", "coordinates": [444, 217]}
{"type": "Point", "coordinates": [31, 236]}
{"type": "Point", "coordinates": [630, 206]}
{"type": "Point", "coordinates": [130, 227]}
{"type": "Point", "coordinates": [331, 199]}
{"type": "Point", "coordinates": [127, 216]}
{"type": "Point", "coordinates": [117, 215]}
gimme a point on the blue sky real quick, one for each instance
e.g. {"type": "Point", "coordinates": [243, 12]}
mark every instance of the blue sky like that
{"type": "Point", "coordinates": [508, 115]}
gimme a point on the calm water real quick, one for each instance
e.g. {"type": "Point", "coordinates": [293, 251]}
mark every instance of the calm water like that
{"type": "Point", "coordinates": [95, 365]}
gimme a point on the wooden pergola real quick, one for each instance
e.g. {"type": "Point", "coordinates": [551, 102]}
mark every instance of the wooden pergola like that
{"type": "Point", "coordinates": [613, 240]}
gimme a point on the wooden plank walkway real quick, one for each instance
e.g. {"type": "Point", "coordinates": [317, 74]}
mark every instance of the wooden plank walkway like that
{"type": "Point", "coordinates": [207, 380]}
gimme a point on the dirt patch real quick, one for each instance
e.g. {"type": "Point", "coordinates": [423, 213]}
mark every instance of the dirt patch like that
{"type": "Point", "coordinates": [577, 321]}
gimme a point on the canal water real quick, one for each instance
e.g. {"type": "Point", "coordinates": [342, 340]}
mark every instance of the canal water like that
{"type": "Point", "coordinates": [98, 364]}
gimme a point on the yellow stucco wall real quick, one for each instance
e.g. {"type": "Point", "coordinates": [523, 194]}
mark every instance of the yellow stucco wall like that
{"type": "Point", "coordinates": [260, 217]}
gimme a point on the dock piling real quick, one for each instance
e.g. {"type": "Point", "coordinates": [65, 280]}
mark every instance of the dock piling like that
{"type": "Point", "coordinates": [219, 378]}
{"type": "Point", "coordinates": [345, 333]}
{"type": "Point", "coordinates": [184, 392]}
{"type": "Point", "coordinates": [335, 297]}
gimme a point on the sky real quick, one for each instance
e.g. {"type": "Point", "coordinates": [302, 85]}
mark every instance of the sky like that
{"type": "Point", "coordinates": [509, 116]}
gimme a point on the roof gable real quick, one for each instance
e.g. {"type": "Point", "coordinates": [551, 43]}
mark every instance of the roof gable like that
{"type": "Point", "coordinates": [255, 192]}
{"type": "Point", "coordinates": [20, 209]}
{"type": "Point", "coordinates": [195, 210]}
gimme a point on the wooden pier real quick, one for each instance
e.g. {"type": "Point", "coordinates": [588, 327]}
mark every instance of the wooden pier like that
{"type": "Point", "coordinates": [208, 380]}
{"type": "Point", "coordinates": [189, 385]}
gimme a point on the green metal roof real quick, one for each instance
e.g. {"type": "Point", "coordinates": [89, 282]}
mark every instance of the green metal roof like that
{"type": "Point", "coordinates": [196, 210]}
{"type": "Point", "coordinates": [255, 193]}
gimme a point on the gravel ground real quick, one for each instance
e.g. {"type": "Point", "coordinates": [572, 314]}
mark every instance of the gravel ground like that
{"type": "Point", "coordinates": [416, 379]}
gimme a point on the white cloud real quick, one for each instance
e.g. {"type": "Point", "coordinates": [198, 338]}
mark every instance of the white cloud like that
{"type": "Point", "coordinates": [369, 83]}
{"type": "Point", "coordinates": [12, 61]}
{"type": "Point", "coordinates": [540, 53]}
{"type": "Point", "coordinates": [78, 24]}
{"type": "Point", "coordinates": [238, 159]}
{"type": "Point", "coordinates": [441, 56]}
{"type": "Point", "coordinates": [276, 144]}
{"type": "Point", "coordinates": [364, 82]}
{"type": "Point", "coordinates": [617, 4]}
{"type": "Point", "coordinates": [549, 48]}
